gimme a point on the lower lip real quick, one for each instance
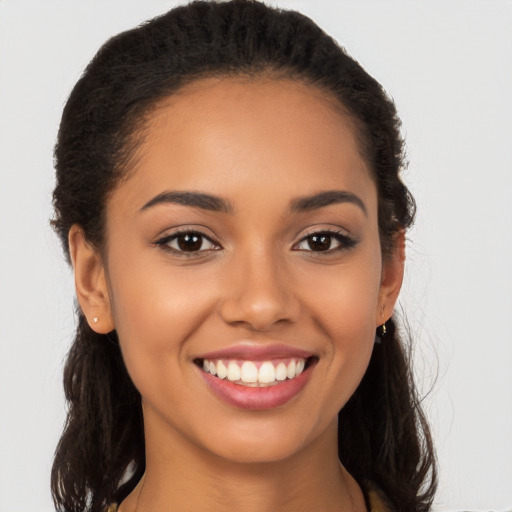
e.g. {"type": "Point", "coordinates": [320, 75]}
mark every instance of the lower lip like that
{"type": "Point", "coordinates": [257, 398]}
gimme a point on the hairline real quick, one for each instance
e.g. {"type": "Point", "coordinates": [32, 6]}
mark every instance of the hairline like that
{"type": "Point", "coordinates": [136, 134]}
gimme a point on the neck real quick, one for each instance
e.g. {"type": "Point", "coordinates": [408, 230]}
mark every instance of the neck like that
{"type": "Point", "coordinates": [186, 479]}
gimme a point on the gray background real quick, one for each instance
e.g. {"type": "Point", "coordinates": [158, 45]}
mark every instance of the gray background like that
{"type": "Point", "coordinates": [448, 66]}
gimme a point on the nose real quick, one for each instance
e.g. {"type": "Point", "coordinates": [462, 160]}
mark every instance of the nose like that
{"type": "Point", "coordinates": [259, 294]}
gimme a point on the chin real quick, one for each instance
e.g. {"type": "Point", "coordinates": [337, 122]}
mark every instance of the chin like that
{"type": "Point", "coordinates": [269, 438]}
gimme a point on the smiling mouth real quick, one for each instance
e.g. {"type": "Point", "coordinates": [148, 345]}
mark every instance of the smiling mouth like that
{"type": "Point", "coordinates": [255, 374]}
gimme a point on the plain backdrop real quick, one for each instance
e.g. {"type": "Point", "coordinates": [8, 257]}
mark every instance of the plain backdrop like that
{"type": "Point", "coordinates": [448, 65]}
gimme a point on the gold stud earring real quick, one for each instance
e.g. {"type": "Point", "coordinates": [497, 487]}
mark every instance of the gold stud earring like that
{"type": "Point", "coordinates": [381, 329]}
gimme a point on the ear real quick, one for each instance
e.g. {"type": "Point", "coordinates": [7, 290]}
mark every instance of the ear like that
{"type": "Point", "coordinates": [90, 282]}
{"type": "Point", "coordinates": [391, 279]}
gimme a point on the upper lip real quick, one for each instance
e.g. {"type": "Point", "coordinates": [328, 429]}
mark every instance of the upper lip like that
{"type": "Point", "coordinates": [251, 351]}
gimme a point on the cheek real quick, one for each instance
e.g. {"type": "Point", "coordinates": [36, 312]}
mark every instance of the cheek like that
{"type": "Point", "coordinates": [343, 304]}
{"type": "Point", "coordinates": [346, 298]}
{"type": "Point", "coordinates": [155, 312]}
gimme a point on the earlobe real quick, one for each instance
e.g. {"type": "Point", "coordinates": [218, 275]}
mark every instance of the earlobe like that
{"type": "Point", "coordinates": [90, 282]}
{"type": "Point", "coordinates": [391, 279]}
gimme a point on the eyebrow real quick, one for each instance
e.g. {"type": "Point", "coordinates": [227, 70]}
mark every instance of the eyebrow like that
{"type": "Point", "coordinates": [193, 199]}
{"type": "Point", "coordinates": [326, 198]}
{"type": "Point", "coordinates": [217, 204]}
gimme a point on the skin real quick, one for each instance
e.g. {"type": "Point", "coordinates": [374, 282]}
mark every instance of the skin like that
{"type": "Point", "coordinates": [260, 145]}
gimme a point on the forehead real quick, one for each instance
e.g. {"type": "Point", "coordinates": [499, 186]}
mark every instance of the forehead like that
{"type": "Point", "coordinates": [218, 135]}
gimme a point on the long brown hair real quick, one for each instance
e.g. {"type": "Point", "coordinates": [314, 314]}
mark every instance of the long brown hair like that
{"type": "Point", "coordinates": [383, 436]}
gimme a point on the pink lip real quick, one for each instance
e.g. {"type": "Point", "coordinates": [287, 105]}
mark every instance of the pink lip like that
{"type": "Point", "coordinates": [257, 352]}
{"type": "Point", "coordinates": [256, 398]}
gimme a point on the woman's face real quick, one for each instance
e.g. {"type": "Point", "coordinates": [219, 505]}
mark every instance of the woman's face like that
{"type": "Point", "coordinates": [245, 242]}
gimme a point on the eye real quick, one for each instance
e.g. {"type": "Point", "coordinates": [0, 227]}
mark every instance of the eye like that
{"type": "Point", "coordinates": [325, 241]}
{"type": "Point", "coordinates": [187, 242]}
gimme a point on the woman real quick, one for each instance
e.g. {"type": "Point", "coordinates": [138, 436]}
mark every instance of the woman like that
{"type": "Point", "coordinates": [228, 193]}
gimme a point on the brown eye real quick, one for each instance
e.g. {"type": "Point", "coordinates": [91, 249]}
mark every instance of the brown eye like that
{"type": "Point", "coordinates": [325, 241]}
{"type": "Point", "coordinates": [187, 242]}
{"type": "Point", "coordinates": [321, 242]}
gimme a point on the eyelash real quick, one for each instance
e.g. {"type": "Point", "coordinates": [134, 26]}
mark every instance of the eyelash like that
{"type": "Point", "coordinates": [166, 240]}
{"type": "Point", "coordinates": [345, 242]}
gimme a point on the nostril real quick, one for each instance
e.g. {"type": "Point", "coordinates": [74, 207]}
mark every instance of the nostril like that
{"type": "Point", "coordinates": [259, 313]}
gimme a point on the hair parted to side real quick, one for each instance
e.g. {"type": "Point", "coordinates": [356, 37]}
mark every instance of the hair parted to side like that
{"type": "Point", "coordinates": [383, 435]}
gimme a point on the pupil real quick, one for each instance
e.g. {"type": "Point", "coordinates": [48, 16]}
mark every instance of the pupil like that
{"type": "Point", "coordinates": [320, 242]}
{"type": "Point", "coordinates": [190, 242]}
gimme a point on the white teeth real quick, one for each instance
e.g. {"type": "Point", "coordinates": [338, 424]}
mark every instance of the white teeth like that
{"type": "Point", "coordinates": [267, 372]}
{"type": "Point", "coordinates": [290, 371]}
{"type": "Point", "coordinates": [233, 372]}
{"type": "Point", "coordinates": [249, 374]}
{"type": "Point", "coordinates": [300, 367]}
{"type": "Point", "coordinates": [281, 371]}
{"type": "Point", "coordinates": [222, 371]}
